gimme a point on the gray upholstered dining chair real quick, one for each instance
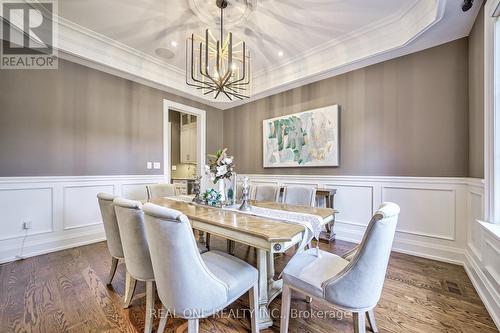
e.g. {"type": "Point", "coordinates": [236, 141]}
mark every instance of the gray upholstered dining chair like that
{"type": "Point", "coordinates": [193, 285]}
{"type": "Point", "coordinates": [354, 285]}
{"type": "Point", "coordinates": [111, 230]}
{"type": "Point", "coordinates": [160, 190]}
{"type": "Point", "coordinates": [300, 195]}
{"type": "Point", "coordinates": [261, 192]}
{"type": "Point", "coordinates": [136, 252]}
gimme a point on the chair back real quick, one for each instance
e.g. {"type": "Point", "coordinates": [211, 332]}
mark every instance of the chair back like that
{"type": "Point", "coordinates": [300, 195]}
{"type": "Point", "coordinates": [160, 191]}
{"type": "Point", "coordinates": [135, 245]}
{"type": "Point", "coordinates": [265, 192]}
{"type": "Point", "coordinates": [359, 285]}
{"type": "Point", "coordinates": [110, 224]}
{"type": "Point", "coordinates": [185, 285]}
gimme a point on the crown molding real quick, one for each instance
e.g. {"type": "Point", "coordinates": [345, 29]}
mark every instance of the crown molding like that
{"type": "Point", "coordinates": [383, 40]}
{"type": "Point", "coordinates": [329, 45]}
{"type": "Point", "coordinates": [87, 47]}
{"type": "Point", "coordinates": [380, 42]}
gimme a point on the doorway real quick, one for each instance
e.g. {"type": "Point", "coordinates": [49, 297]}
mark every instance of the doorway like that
{"type": "Point", "coordinates": [194, 145]}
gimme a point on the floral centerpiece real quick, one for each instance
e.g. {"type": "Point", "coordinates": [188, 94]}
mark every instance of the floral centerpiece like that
{"type": "Point", "coordinates": [220, 166]}
{"type": "Point", "coordinates": [212, 197]}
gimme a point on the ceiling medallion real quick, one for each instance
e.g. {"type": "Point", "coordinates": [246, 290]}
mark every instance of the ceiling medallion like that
{"type": "Point", "coordinates": [220, 67]}
{"type": "Point", "coordinates": [236, 12]}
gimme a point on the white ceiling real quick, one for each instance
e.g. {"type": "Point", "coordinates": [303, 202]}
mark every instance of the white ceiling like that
{"type": "Point", "coordinates": [318, 38]}
{"type": "Point", "coordinates": [291, 26]}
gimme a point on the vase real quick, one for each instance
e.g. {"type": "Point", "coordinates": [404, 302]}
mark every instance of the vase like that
{"type": "Point", "coordinates": [222, 189]}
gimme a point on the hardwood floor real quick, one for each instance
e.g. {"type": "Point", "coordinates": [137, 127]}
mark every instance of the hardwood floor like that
{"type": "Point", "coordinates": [65, 292]}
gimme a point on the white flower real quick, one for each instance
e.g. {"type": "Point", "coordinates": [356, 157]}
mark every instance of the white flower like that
{"type": "Point", "coordinates": [221, 170]}
{"type": "Point", "coordinates": [228, 160]}
{"type": "Point", "coordinates": [207, 169]}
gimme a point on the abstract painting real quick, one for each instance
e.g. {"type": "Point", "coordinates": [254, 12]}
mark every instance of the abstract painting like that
{"type": "Point", "coordinates": [305, 139]}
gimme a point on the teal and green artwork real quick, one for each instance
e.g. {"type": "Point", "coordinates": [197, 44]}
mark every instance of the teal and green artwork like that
{"type": "Point", "coordinates": [305, 139]}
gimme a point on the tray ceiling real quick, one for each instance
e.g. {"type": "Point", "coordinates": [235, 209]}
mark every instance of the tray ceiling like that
{"type": "Point", "coordinates": [291, 42]}
{"type": "Point", "coordinates": [291, 26]}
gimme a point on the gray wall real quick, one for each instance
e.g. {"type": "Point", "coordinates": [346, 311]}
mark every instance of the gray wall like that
{"type": "Point", "coordinates": [476, 98]}
{"type": "Point", "coordinates": [403, 117]}
{"type": "Point", "coordinates": [80, 121]}
{"type": "Point", "coordinates": [408, 116]}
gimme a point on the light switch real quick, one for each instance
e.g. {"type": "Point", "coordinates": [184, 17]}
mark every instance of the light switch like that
{"type": "Point", "coordinates": [149, 165]}
{"type": "Point", "coordinates": [174, 167]}
{"type": "Point", "coordinates": [156, 165]}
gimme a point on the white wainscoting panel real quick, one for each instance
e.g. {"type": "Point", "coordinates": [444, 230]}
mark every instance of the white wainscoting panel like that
{"type": "Point", "coordinates": [359, 214]}
{"type": "Point", "coordinates": [33, 205]}
{"type": "Point", "coordinates": [135, 191]}
{"type": "Point", "coordinates": [491, 261]}
{"type": "Point", "coordinates": [474, 230]}
{"type": "Point", "coordinates": [80, 207]}
{"type": "Point", "coordinates": [424, 212]}
{"type": "Point", "coordinates": [63, 211]}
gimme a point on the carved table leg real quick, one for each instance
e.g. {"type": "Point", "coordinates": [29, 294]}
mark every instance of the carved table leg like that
{"type": "Point", "coordinates": [265, 320]}
{"type": "Point", "coordinates": [274, 287]}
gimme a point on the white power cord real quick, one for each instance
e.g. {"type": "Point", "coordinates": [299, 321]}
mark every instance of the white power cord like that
{"type": "Point", "coordinates": [20, 256]}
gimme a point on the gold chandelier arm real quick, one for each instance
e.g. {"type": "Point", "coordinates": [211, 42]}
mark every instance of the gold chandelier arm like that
{"type": "Point", "coordinates": [192, 62]}
{"type": "Point", "coordinates": [224, 66]}
{"type": "Point", "coordinates": [236, 94]}
{"type": "Point", "coordinates": [244, 66]}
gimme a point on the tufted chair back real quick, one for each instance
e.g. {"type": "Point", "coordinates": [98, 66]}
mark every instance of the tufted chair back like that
{"type": "Point", "coordinates": [359, 285]}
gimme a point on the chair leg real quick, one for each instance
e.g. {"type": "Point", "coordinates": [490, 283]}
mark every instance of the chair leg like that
{"type": "Point", "coordinates": [112, 271]}
{"type": "Point", "coordinates": [193, 325]}
{"type": "Point", "coordinates": [371, 320]}
{"type": "Point", "coordinates": [150, 306]}
{"type": "Point", "coordinates": [207, 241]}
{"type": "Point", "coordinates": [130, 284]}
{"type": "Point", "coordinates": [163, 320]}
{"type": "Point", "coordinates": [253, 295]}
{"type": "Point", "coordinates": [286, 296]}
{"type": "Point", "coordinates": [358, 320]}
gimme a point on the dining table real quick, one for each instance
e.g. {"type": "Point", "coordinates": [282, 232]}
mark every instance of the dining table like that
{"type": "Point", "coordinates": [267, 235]}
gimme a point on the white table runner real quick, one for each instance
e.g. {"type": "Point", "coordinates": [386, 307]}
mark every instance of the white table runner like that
{"type": "Point", "coordinates": [312, 223]}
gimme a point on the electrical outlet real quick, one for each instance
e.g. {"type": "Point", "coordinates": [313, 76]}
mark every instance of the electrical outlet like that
{"type": "Point", "coordinates": [156, 165]}
{"type": "Point", "coordinates": [26, 225]}
{"type": "Point", "coordinates": [174, 167]}
{"type": "Point", "coordinates": [149, 165]}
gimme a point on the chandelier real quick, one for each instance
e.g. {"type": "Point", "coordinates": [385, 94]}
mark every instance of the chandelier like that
{"type": "Point", "coordinates": [218, 67]}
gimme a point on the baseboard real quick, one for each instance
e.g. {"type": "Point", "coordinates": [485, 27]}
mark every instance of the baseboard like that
{"type": "Point", "coordinates": [483, 287]}
{"type": "Point", "coordinates": [53, 246]}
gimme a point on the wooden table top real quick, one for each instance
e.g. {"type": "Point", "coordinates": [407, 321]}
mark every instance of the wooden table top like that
{"type": "Point", "coordinates": [268, 229]}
